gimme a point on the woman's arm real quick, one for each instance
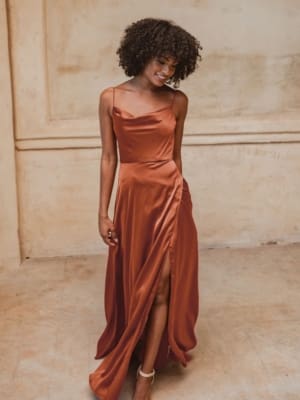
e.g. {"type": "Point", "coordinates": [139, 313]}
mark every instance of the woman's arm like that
{"type": "Point", "coordinates": [108, 165]}
{"type": "Point", "coordinates": [180, 110]}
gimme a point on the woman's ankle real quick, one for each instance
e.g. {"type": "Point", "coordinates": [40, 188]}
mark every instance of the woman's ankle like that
{"type": "Point", "coordinates": [146, 375]}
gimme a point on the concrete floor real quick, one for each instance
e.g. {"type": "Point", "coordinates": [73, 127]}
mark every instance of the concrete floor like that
{"type": "Point", "coordinates": [248, 329]}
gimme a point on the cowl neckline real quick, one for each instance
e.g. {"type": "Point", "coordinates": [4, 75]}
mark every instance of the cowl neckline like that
{"type": "Point", "coordinates": [146, 114]}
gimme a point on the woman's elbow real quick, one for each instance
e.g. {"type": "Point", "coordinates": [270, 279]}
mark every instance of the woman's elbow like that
{"type": "Point", "coordinates": [109, 159]}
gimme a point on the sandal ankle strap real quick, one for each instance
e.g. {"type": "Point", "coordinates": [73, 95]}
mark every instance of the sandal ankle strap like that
{"type": "Point", "coordinates": [144, 374]}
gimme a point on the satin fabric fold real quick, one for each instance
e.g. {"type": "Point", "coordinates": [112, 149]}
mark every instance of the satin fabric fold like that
{"type": "Point", "coordinates": [153, 219]}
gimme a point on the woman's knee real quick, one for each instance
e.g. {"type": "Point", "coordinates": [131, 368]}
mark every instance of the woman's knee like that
{"type": "Point", "coordinates": [162, 294]}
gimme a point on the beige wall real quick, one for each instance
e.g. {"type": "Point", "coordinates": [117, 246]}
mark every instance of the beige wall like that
{"type": "Point", "coordinates": [241, 148]}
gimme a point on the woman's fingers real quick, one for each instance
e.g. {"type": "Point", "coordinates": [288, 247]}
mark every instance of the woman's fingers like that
{"type": "Point", "coordinates": [107, 240]}
{"type": "Point", "coordinates": [113, 235]}
{"type": "Point", "coordinates": [110, 238]}
{"type": "Point", "coordinates": [107, 231]}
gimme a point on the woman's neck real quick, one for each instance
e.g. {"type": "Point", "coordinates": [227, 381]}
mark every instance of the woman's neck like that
{"type": "Point", "coordinates": [142, 83]}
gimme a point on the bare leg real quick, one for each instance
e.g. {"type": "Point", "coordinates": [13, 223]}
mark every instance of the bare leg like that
{"type": "Point", "coordinates": [155, 327]}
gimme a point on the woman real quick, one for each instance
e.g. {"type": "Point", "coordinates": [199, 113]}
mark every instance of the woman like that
{"type": "Point", "coordinates": [151, 292]}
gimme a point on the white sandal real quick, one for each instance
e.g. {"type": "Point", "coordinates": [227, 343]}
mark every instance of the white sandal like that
{"type": "Point", "coordinates": [144, 374]}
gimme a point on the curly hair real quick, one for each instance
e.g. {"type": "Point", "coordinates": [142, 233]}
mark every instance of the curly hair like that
{"type": "Point", "coordinates": [151, 37]}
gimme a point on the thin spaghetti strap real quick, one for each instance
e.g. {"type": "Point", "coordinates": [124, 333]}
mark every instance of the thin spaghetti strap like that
{"type": "Point", "coordinates": [113, 88]}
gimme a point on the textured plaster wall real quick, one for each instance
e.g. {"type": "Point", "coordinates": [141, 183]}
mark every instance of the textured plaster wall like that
{"type": "Point", "coordinates": [243, 195]}
{"type": "Point", "coordinates": [241, 148]}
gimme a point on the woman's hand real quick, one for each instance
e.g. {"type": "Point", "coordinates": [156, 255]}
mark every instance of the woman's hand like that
{"type": "Point", "coordinates": [107, 231]}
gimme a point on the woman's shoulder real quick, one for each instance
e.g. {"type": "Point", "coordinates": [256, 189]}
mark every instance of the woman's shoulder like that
{"type": "Point", "coordinates": [179, 96]}
{"type": "Point", "coordinates": [106, 94]}
{"type": "Point", "coordinates": [109, 89]}
{"type": "Point", "coordinates": [175, 91]}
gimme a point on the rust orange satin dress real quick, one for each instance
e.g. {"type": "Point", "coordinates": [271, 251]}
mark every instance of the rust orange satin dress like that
{"type": "Point", "coordinates": [153, 217]}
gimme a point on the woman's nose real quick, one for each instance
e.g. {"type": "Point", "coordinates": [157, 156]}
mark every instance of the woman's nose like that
{"type": "Point", "coordinates": [166, 69]}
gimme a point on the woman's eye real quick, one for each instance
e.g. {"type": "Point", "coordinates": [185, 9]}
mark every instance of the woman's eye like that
{"type": "Point", "coordinates": [163, 62]}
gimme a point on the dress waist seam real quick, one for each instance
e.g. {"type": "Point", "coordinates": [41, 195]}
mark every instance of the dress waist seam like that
{"type": "Point", "coordinates": [146, 161]}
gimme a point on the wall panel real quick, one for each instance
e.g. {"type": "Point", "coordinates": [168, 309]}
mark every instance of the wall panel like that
{"type": "Point", "coordinates": [241, 143]}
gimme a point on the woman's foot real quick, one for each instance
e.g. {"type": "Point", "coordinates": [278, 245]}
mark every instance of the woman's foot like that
{"type": "Point", "coordinates": [143, 385]}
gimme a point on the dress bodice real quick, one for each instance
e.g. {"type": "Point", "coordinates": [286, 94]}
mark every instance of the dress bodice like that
{"type": "Point", "coordinates": [145, 137]}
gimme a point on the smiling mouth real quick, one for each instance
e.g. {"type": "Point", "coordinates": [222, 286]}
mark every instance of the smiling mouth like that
{"type": "Point", "coordinates": [161, 77]}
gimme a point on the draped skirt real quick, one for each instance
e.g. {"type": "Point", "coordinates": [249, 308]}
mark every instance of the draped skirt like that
{"type": "Point", "coordinates": [153, 218]}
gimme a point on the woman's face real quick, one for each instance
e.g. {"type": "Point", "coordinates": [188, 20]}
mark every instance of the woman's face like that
{"type": "Point", "coordinates": [160, 69]}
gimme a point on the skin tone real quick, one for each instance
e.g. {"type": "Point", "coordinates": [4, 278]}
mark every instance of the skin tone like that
{"type": "Point", "coordinates": [150, 90]}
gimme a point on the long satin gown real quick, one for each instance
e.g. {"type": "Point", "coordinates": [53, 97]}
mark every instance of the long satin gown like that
{"type": "Point", "coordinates": [153, 219]}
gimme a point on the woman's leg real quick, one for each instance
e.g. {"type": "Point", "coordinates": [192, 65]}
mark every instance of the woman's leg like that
{"type": "Point", "coordinates": [155, 328]}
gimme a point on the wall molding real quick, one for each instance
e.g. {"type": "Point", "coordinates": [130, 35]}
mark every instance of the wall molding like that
{"type": "Point", "coordinates": [94, 142]}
